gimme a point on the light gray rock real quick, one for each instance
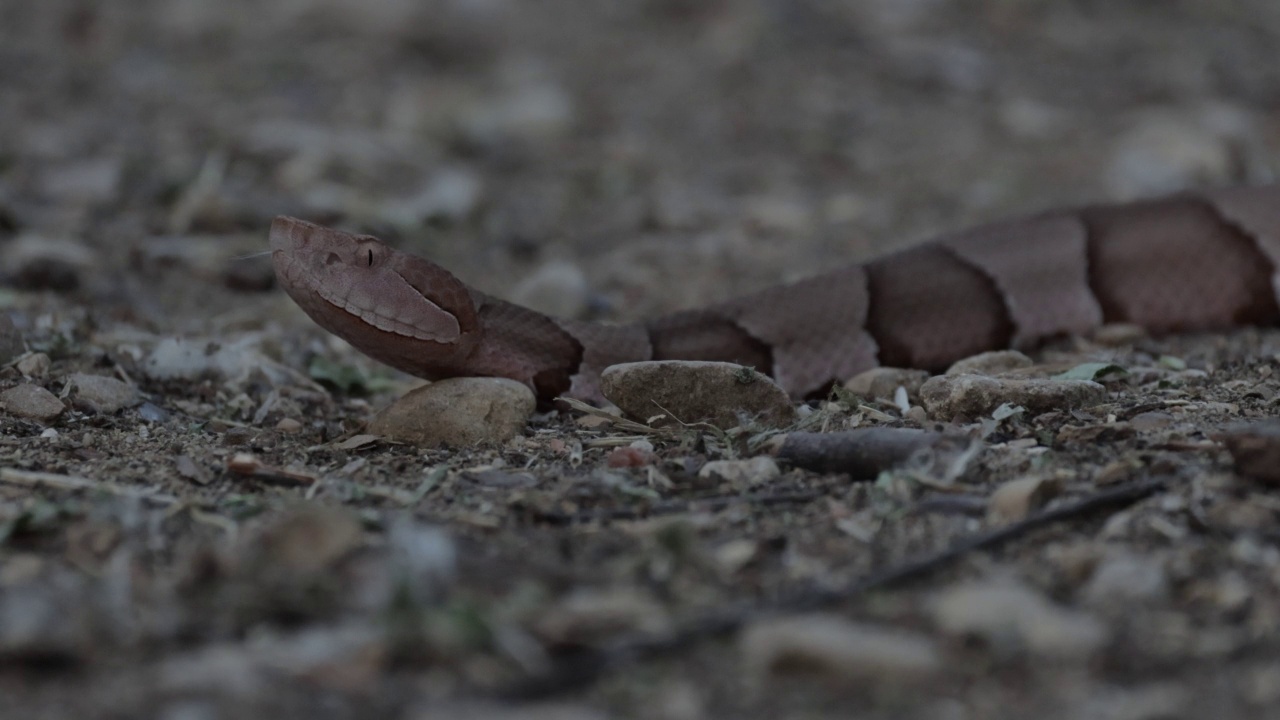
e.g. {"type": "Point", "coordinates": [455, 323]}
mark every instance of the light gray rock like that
{"type": "Point", "coordinates": [1016, 499]}
{"type": "Point", "coordinates": [974, 396]}
{"type": "Point", "coordinates": [831, 646]}
{"type": "Point", "coordinates": [1124, 579]}
{"type": "Point", "coordinates": [723, 394]}
{"type": "Point", "coordinates": [742, 473]}
{"type": "Point", "coordinates": [458, 412]}
{"type": "Point", "coordinates": [31, 402]}
{"type": "Point", "coordinates": [102, 395]}
{"type": "Point", "coordinates": [34, 365]}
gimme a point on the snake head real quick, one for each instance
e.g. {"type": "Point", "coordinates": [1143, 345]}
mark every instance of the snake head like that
{"type": "Point", "coordinates": [403, 310]}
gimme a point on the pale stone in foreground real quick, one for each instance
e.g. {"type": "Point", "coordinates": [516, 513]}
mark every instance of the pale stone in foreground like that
{"type": "Point", "coordinates": [459, 412]}
{"type": "Point", "coordinates": [689, 391]}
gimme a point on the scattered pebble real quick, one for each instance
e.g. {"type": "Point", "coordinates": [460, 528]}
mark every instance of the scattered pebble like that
{"type": "Point", "coordinates": [100, 394]}
{"type": "Point", "coordinates": [451, 195]}
{"type": "Point", "coordinates": [883, 382]}
{"type": "Point", "coordinates": [838, 649]}
{"type": "Point", "coordinates": [1016, 499]}
{"type": "Point", "coordinates": [973, 396]}
{"type": "Point", "coordinates": [34, 365]}
{"type": "Point", "coordinates": [31, 402]}
{"type": "Point", "coordinates": [1123, 579]}
{"type": "Point", "coordinates": [1012, 618]}
{"type": "Point", "coordinates": [459, 412]}
{"type": "Point", "coordinates": [152, 413]}
{"type": "Point", "coordinates": [742, 473]}
{"type": "Point", "coordinates": [288, 425]}
{"type": "Point", "coordinates": [723, 394]}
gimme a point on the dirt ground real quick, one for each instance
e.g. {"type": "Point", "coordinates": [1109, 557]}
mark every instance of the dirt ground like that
{"type": "Point", "coordinates": [608, 160]}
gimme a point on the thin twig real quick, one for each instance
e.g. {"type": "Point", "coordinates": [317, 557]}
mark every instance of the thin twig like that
{"type": "Point", "coordinates": [587, 667]}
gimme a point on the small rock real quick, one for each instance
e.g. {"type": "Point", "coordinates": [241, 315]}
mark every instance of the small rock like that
{"type": "Point", "coordinates": [883, 382]}
{"type": "Point", "coordinates": [991, 363]}
{"type": "Point", "coordinates": [10, 339]}
{"type": "Point", "coordinates": [1255, 449]}
{"type": "Point", "coordinates": [1016, 499]}
{"type": "Point", "coordinates": [152, 413]}
{"type": "Point", "coordinates": [459, 412]}
{"type": "Point", "coordinates": [974, 396]}
{"type": "Point", "coordinates": [288, 425]}
{"type": "Point", "coordinates": [451, 195]}
{"type": "Point", "coordinates": [35, 365]}
{"type": "Point", "coordinates": [1011, 618]}
{"type": "Point", "coordinates": [723, 394]}
{"type": "Point", "coordinates": [1166, 151]}
{"type": "Point", "coordinates": [31, 402]}
{"type": "Point", "coordinates": [742, 473]}
{"type": "Point", "coordinates": [558, 288]}
{"type": "Point", "coordinates": [101, 395]}
{"type": "Point", "coordinates": [531, 109]}
{"type": "Point", "coordinates": [1124, 579]}
{"type": "Point", "coordinates": [838, 649]}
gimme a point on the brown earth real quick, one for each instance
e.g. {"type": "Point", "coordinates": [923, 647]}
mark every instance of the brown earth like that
{"type": "Point", "coordinates": [611, 159]}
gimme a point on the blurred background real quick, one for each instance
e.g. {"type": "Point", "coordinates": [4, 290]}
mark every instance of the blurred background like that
{"type": "Point", "coordinates": [599, 158]}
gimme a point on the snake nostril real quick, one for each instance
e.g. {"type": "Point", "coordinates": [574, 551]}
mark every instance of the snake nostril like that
{"type": "Point", "coordinates": [332, 259]}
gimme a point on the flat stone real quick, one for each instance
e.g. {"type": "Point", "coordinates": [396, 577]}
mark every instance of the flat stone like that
{"type": "Point", "coordinates": [458, 412]}
{"type": "Point", "coordinates": [31, 402]}
{"type": "Point", "coordinates": [974, 396]}
{"type": "Point", "coordinates": [723, 394]}
{"type": "Point", "coordinates": [102, 395]}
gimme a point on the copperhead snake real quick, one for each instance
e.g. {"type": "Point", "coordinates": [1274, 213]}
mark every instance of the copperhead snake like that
{"type": "Point", "coordinates": [1182, 263]}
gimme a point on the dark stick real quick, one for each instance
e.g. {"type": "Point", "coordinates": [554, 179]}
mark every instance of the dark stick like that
{"type": "Point", "coordinates": [863, 454]}
{"type": "Point", "coordinates": [587, 667]}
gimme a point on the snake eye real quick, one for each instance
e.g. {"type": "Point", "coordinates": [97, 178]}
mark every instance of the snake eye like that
{"type": "Point", "coordinates": [370, 257]}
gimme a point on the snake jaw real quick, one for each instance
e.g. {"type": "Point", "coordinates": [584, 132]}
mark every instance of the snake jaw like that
{"type": "Point", "coordinates": [403, 310]}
